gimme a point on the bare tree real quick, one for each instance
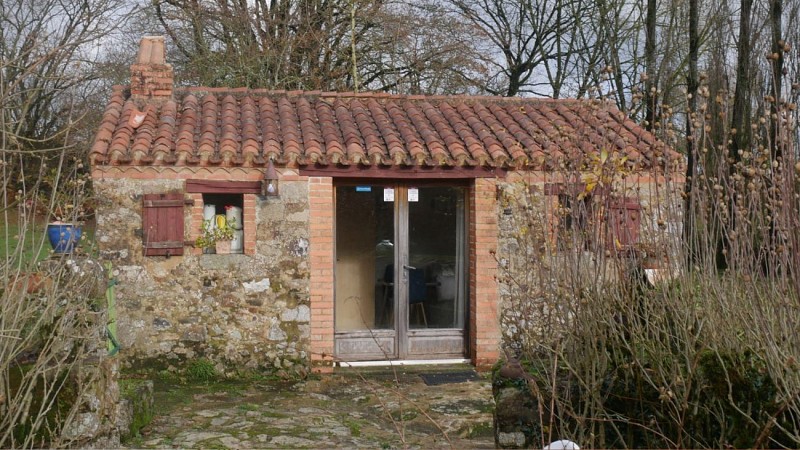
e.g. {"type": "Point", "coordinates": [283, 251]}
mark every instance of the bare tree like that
{"type": "Point", "coordinates": [287, 44]}
{"type": "Point", "coordinates": [420, 49]}
{"type": "Point", "coordinates": [282, 44]}
{"type": "Point", "coordinates": [50, 52]}
{"type": "Point", "coordinates": [525, 36]}
{"type": "Point", "coordinates": [618, 24]}
{"type": "Point", "coordinates": [387, 45]}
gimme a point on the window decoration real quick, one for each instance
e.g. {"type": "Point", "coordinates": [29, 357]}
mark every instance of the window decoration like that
{"type": "Point", "coordinates": [224, 215]}
{"type": "Point", "coordinates": [222, 229]}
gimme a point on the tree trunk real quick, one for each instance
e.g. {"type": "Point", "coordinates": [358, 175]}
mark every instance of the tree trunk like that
{"type": "Point", "coordinates": [691, 144]}
{"type": "Point", "coordinates": [776, 13]}
{"type": "Point", "coordinates": [650, 85]}
{"type": "Point", "coordinates": [740, 128]}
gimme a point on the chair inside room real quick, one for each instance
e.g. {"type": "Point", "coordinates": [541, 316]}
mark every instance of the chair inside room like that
{"type": "Point", "coordinates": [417, 293]}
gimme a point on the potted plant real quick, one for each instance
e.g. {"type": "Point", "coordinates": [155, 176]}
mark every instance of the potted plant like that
{"type": "Point", "coordinates": [215, 236]}
{"type": "Point", "coordinates": [63, 236]}
{"type": "Point", "coordinates": [65, 229]}
{"type": "Point", "coordinates": [64, 196]}
{"type": "Point", "coordinates": [206, 240]}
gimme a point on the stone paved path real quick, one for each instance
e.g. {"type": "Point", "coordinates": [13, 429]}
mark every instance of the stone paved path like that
{"type": "Point", "coordinates": [341, 410]}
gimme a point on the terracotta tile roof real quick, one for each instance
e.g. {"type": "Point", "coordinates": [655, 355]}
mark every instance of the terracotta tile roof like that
{"type": "Point", "coordinates": [241, 127]}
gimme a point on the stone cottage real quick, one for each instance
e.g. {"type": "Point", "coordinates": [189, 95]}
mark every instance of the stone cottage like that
{"type": "Point", "coordinates": [294, 230]}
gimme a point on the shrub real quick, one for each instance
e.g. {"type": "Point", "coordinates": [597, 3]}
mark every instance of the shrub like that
{"type": "Point", "coordinates": [708, 357]}
{"type": "Point", "coordinates": [201, 369]}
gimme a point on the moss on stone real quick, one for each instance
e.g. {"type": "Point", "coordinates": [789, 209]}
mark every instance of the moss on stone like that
{"type": "Point", "coordinates": [405, 415]}
{"type": "Point", "coordinates": [213, 443]}
{"type": "Point", "coordinates": [292, 331]}
{"type": "Point", "coordinates": [146, 366]}
{"type": "Point", "coordinates": [63, 399]}
{"type": "Point", "coordinates": [137, 395]}
{"type": "Point", "coordinates": [354, 426]}
{"type": "Point", "coordinates": [483, 429]}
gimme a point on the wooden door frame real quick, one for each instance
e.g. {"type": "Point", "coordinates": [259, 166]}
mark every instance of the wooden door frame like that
{"type": "Point", "coordinates": [401, 333]}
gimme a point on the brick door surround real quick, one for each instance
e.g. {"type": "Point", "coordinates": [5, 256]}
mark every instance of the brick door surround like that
{"type": "Point", "coordinates": [483, 322]}
{"type": "Point", "coordinates": [484, 295]}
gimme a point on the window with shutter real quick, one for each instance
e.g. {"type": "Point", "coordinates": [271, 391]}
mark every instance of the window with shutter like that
{"type": "Point", "coordinates": [574, 213]}
{"type": "Point", "coordinates": [162, 224]}
{"type": "Point", "coordinates": [579, 214]}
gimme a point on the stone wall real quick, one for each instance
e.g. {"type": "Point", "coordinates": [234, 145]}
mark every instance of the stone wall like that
{"type": "Point", "coordinates": [88, 398]}
{"type": "Point", "coordinates": [240, 311]}
{"type": "Point", "coordinates": [252, 311]}
{"type": "Point", "coordinates": [519, 418]}
{"type": "Point", "coordinates": [541, 274]}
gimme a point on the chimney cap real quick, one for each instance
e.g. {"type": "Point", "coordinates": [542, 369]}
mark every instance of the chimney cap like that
{"type": "Point", "coordinates": [151, 51]}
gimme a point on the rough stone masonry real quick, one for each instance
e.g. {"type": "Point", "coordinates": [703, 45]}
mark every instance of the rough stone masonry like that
{"type": "Point", "coordinates": [240, 311]}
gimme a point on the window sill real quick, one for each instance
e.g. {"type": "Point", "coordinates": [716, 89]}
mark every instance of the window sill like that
{"type": "Point", "coordinates": [223, 261]}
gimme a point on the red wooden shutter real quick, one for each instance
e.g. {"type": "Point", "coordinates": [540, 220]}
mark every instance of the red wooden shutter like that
{"type": "Point", "coordinates": [623, 223]}
{"type": "Point", "coordinates": [162, 224]}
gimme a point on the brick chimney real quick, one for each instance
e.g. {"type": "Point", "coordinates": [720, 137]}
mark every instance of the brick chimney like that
{"type": "Point", "coordinates": [151, 76]}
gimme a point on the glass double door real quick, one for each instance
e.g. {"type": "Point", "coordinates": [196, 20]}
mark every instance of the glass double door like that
{"type": "Point", "coordinates": [400, 272]}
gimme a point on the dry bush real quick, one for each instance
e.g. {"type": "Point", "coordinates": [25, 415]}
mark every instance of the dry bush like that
{"type": "Point", "coordinates": [52, 324]}
{"type": "Point", "coordinates": [706, 357]}
{"type": "Point", "coordinates": [51, 312]}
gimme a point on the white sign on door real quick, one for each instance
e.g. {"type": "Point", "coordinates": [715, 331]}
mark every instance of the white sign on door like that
{"type": "Point", "coordinates": [388, 194]}
{"type": "Point", "coordinates": [413, 194]}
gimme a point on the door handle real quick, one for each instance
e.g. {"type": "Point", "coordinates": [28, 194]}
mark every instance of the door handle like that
{"type": "Point", "coordinates": [407, 267]}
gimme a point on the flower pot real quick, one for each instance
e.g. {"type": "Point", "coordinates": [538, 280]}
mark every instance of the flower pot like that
{"type": "Point", "coordinates": [223, 247]}
{"type": "Point", "coordinates": [63, 237]}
